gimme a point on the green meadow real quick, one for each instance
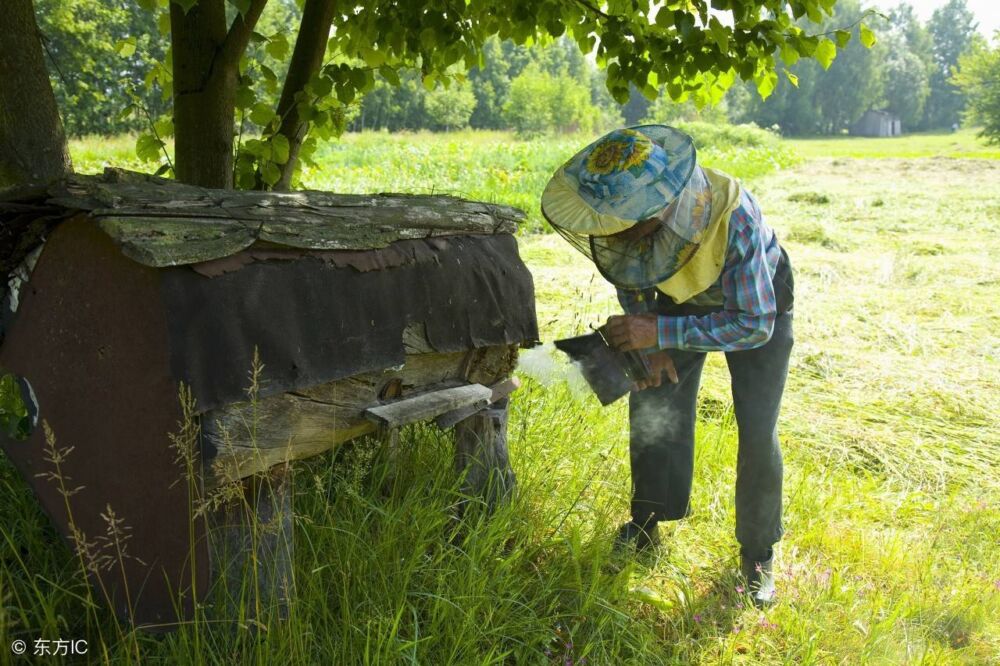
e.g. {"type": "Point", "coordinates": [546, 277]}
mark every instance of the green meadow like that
{"type": "Point", "coordinates": [889, 429]}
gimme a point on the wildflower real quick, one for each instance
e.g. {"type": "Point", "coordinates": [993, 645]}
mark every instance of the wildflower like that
{"type": "Point", "coordinates": [697, 617]}
{"type": "Point", "coordinates": [766, 624]}
{"type": "Point", "coordinates": [739, 589]}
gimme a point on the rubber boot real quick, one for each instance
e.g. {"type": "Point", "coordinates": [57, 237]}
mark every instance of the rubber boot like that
{"type": "Point", "coordinates": [632, 535]}
{"type": "Point", "coordinates": [759, 577]}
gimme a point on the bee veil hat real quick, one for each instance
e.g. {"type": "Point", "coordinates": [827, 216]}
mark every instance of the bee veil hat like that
{"type": "Point", "coordinates": [628, 176]}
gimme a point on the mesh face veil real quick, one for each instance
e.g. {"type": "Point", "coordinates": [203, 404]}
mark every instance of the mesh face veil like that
{"type": "Point", "coordinates": [634, 202]}
{"type": "Point", "coordinates": [631, 262]}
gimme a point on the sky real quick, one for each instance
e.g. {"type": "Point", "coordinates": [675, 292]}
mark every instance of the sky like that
{"type": "Point", "coordinates": [987, 11]}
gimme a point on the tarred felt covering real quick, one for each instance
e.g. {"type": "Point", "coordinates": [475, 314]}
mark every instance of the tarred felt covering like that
{"type": "Point", "coordinates": [320, 316]}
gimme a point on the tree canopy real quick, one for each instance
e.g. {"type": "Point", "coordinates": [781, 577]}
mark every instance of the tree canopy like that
{"type": "Point", "coordinates": [231, 73]}
{"type": "Point", "coordinates": [907, 73]}
{"type": "Point", "coordinates": [978, 77]}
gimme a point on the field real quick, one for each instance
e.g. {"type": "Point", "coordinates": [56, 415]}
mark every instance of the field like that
{"type": "Point", "coordinates": [961, 144]}
{"type": "Point", "coordinates": [889, 428]}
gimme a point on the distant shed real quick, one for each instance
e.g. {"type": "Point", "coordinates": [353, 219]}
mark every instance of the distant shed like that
{"type": "Point", "coordinates": [368, 312]}
{"type": "Point", "coordinates": [878, 123]}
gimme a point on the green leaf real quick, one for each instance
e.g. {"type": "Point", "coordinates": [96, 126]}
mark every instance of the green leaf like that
{"type": "Point", "coordinates": [257, 148]}
{"type": "Point", "coordinates": [262, 114]}
{"type": "Point", "coordinates": [126, 47]}
{"type": "Point", "coordinates": [766, 80]}
{"type": "Point", "coordinates": [270, 78]}
{"type": "Point", "coordinates": [164, 127]}
{"type": "Point", "coordinates": [843, 38]}
{"type": "Point", "coordinates": [148, 5]}
{"type": "Point", "coordinates": [373, 57]}
{"type": "Point", "coordinates": [270, 173]}
{"type": "Point", "coordinates": [242, 6]}
{"type": "Point", "coordinates": [389, 74]}
{"type": "Point", "coordinates": [163, 23]}
{"type": "Point", "coordinates": [125, 113]}
{"type": "Point", "coordinates": [320, 86]}
{"type": "Point", "coordinates": [245, 97]}
{"type": "Point", "coordinates": [246, 172]}
{"type": "Point", "coordinates": [147, 148]}
{"type": "Point", "coordinates": [279, 148]}
{"type": "Point", "coordinates": [277, 47]}
{"type": "Point", "coordinates": [826, 51]}
{"type": "Point", "coordinates": [868, 38]}
{"type": "Point", "coordinates": [792, 78]}
{"type": "Point", "coordinates": [719, 33]}
{"type": "Point", "coordinates": [789, 55]}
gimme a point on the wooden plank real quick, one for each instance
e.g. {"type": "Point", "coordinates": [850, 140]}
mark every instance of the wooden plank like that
{"type": "Point", "coordinates": [173, 241]}
{"type": "Point", "coordinates": [428, 405]}
{"type": "Point", "coordinates": [161, 223]}
{"type": "Point", "coordinates": [499, 391]}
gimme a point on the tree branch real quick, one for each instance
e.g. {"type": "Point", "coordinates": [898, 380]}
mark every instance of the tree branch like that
{"type": "Point", "coordinates": [307, 57]}
{"type": "Point", "coordinates": [239, 33]}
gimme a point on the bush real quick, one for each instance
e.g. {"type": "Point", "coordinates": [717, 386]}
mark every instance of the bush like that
{"type": "Point", "coordinates": [724, 135]}
{"type": "Point", "coordinates": [979, 78]}
{"type": "Point", "coordinates": [540, 102]}
{"type": "Point", "coordinates": [450, 108]}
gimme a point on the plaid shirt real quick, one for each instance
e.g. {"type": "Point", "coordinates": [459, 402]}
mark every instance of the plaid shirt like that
{"type": "Point", "coordinates": [743, 290]}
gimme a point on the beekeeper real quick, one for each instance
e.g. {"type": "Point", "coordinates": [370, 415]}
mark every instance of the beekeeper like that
{"type": "Point", "coordinates": [697, 270]}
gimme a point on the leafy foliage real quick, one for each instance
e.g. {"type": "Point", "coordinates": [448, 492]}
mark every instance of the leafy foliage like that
{"type": "Point", "coordinates": [540, 102]}
{"type": "Point", "coordinates": [830, 92]}
{"type": "Point", "coordinates": [94, 49]}
{"type": "Point", "coordinates": [905, 71]}
{"type": "Point", "coordinates": [978, 77]}
{"type": "Point", "coordinates": [676, 47]}
{"type": "Point", "coordinates": [951, 28]}
{"type": "Point", "coordinates": [15, 422]}
{"type": "Point", "coordinates": [450, 107]}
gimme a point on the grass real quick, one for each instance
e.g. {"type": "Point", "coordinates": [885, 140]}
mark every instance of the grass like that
{"type": "Point", "coordinates": [889, 427]}
{"type": "Point", "coordinates": [961, 144]}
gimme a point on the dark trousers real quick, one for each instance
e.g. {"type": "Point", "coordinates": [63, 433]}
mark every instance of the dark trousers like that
{"type": "Point", "coordinates": [662, 421]}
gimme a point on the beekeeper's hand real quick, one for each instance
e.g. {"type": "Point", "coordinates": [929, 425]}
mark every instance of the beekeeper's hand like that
{"type": "Point", "coordinates": [659, 363]}
{"type": "Point", "coordinates": [628, 332]}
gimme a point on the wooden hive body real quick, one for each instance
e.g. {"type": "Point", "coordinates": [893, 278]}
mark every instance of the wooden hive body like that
{"type": "Point", "coordinates": [143, 286]}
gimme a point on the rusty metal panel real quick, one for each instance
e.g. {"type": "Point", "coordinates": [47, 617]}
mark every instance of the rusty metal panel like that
{"type": "Point", "coordinates": [91, 337]}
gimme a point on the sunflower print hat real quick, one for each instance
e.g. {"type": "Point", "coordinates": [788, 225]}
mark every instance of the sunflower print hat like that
{"type": "Point", "coordinates": [626, 177]}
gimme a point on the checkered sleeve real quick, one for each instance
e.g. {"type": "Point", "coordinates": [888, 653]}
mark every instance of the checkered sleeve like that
{"type": "Point", "coordinates": [749, 305]}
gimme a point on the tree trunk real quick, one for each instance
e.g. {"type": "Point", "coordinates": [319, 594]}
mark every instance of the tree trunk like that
{"type": "Point", "coordinates": [206, 74]}
{"type": "Point", "coordinates": [32, 142]}
{"type": "Point", "coordinates": [204, 96]}
{"type": "Point", "coordinates": [314, 31]}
